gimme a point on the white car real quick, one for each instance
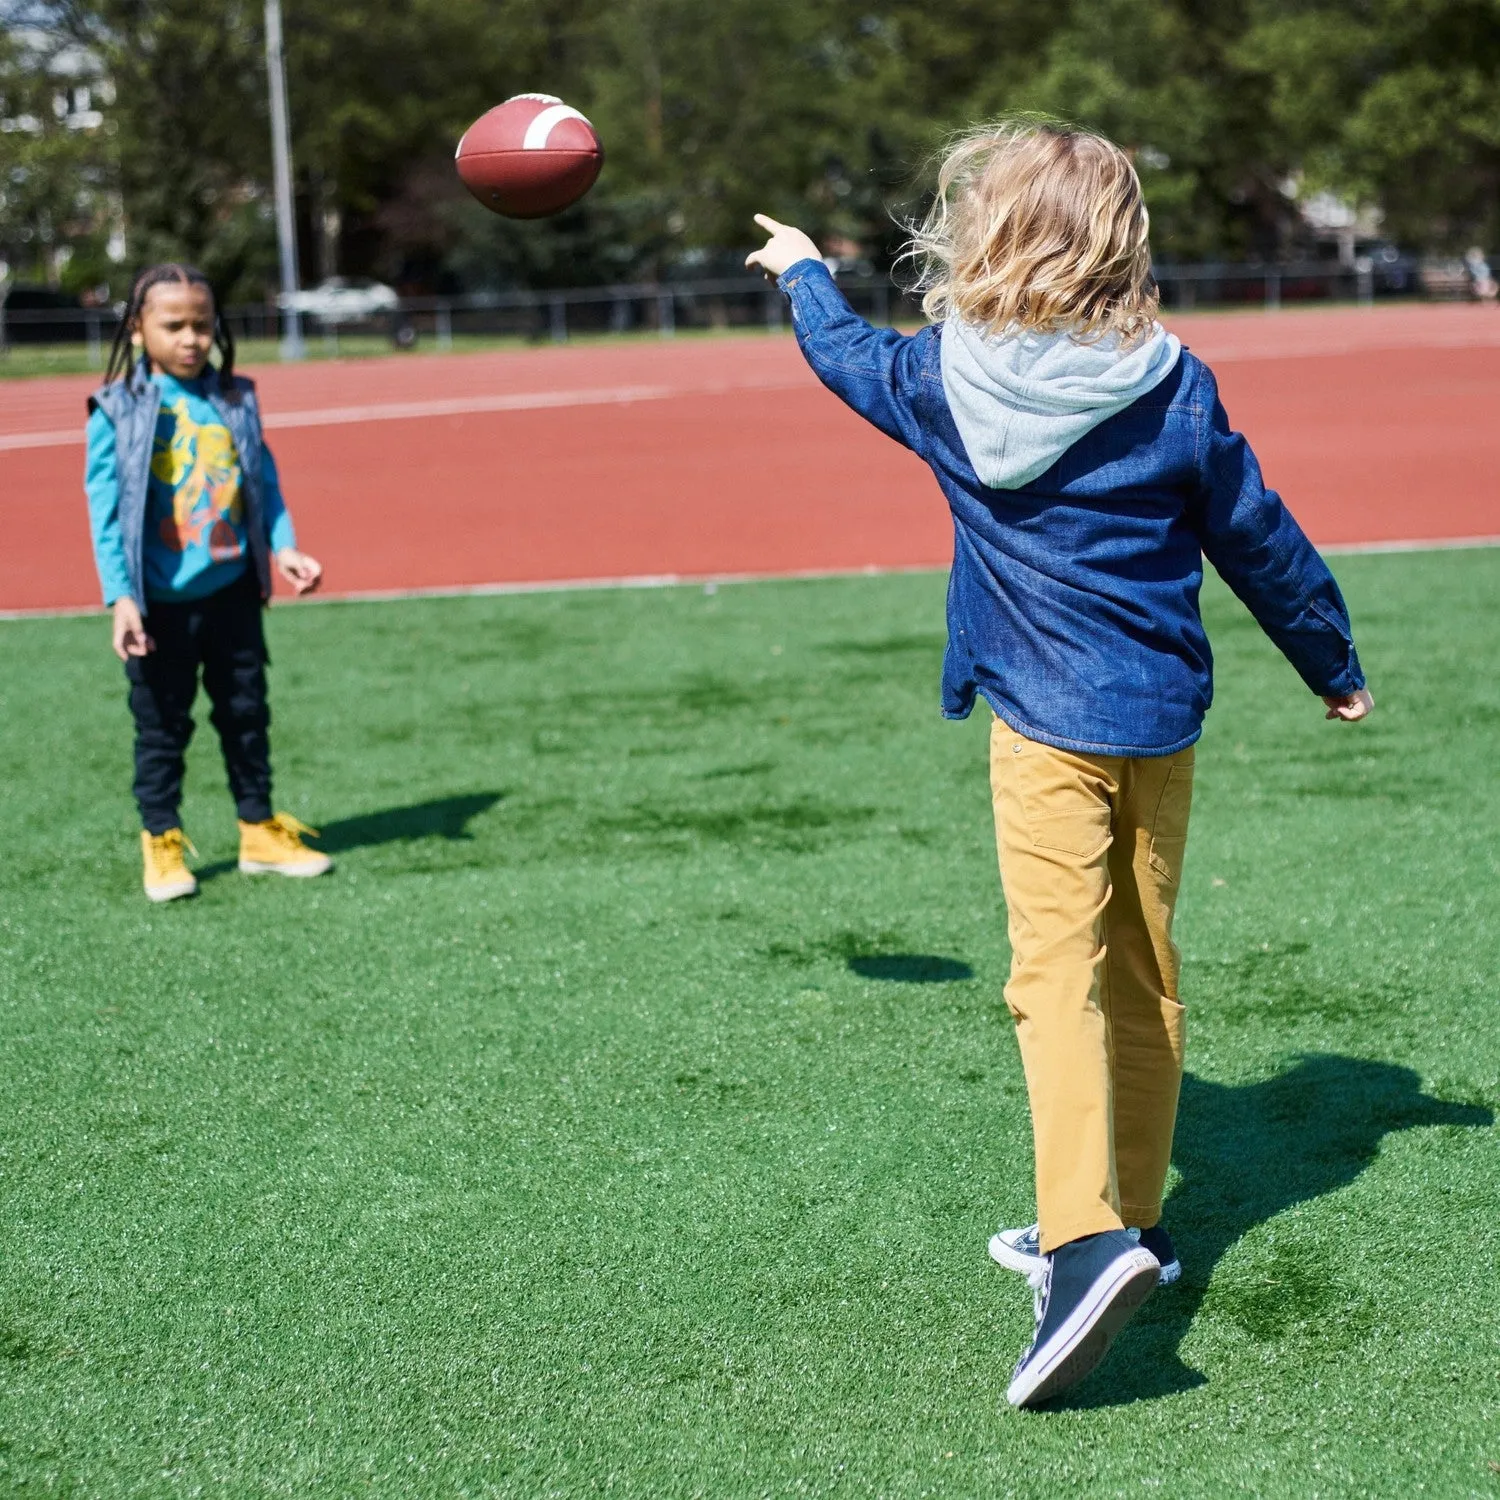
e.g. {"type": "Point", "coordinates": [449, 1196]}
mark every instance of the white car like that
{"type": "Point", "coordinates": [343, 299]}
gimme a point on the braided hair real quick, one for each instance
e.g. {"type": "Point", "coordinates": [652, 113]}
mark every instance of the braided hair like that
{"type": "Point", "coordinates": [169, 271]}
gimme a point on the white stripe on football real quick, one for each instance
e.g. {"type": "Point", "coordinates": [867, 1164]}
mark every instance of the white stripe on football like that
{"type": "Point", "coordinates": [541, 127]}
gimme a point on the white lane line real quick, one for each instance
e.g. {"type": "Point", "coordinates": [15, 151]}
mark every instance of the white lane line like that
{"type": "Point", "coordinates": [462, 406]}
{"type": "Point", "coordinates": [709, 581]}
{"type": "Point", "coordinates": [452, 406]}
{"type": "Point", "coordinates": [1416, 544]}
{"type": "Point", "coordinates": [703, 580]}
{"type": "Point", "coordinates": [1238, 354]}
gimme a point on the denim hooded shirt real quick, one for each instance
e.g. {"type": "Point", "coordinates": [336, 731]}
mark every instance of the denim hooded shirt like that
{"type": "Point", "coordinates": [1073, 597]}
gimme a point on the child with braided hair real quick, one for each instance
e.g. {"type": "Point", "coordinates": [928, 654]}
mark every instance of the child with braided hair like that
{"type": "Point", "coordinates": [187, 519]}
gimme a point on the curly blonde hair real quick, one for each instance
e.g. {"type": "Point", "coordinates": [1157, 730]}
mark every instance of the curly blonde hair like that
{"type": "Point", "coordinates": [1037, 227]}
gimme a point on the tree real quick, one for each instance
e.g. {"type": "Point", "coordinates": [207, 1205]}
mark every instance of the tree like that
{"type": "Point", "coordinates": [1162, 77]}
{"type": "Point", "coordinates": [1391, 102]}
{"type": "Point", "coordinates": [189, 130]}
{"type": "Point", "coordinates": [824, 111]}
{"type": "Point", "coordinates": [57, 176]}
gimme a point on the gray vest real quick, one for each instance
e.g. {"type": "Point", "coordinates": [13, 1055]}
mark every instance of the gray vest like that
{"type": "Point", "coordinates": [132, 404]}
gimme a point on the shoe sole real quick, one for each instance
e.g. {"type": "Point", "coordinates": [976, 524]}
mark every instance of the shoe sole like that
{"type": "Point", "coordinates": [171, 892]}
{"type": "Point", "coordinates": [1015, 1260]}
{"type": "Point", "coordinates": [1076, 1349]}
{"type": "Point", "coordinates": [260, 867]}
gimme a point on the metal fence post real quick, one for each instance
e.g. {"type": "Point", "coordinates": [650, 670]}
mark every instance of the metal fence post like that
{"type": "Point", "coordinates": [1273, 290]}
{"type": "Point", "coordinates": [558, 314]}
{"type": "Point", "coordinates": [96, 352]}
{"type": "Point", "coordinates": [1364, 283]}
{"type": "Point", "coordinates": [444, 326]}
{"type": "Point", "coordinates": [666, 314]}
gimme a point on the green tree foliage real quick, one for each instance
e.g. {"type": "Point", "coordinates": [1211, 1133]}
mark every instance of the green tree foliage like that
{"type": "Point", "coordinates": [1395, 102]}
{"type": "Point", "coordinates": [822, 111]}
{"type": "Point", "coordinates": [1161, 77]}
{"type": "Point", "coordinates": [188, 123]}
{"type": "Point", "coordinates": [56, 181]}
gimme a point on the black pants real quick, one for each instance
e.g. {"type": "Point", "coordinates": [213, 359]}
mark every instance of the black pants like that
{"type": "Point", "coordinates": [223, 635]}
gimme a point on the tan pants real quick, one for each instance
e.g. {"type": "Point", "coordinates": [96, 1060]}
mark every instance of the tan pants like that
{"type": "Point", "coordinates": [1091, 853]}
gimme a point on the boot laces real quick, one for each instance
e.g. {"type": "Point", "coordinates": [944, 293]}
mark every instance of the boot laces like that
{"type": "Point", "coordinates": [1041, 1289]}
{"type": "Point", "coordinates": [289, 829]}
{"type": "Point", "coordinates": [166, 848]}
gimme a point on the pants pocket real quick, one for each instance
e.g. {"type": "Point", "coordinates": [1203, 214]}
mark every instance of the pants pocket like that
{"type": "Point", "coordinates": [1169, 825]}
{"type": "Point", "coordinates": [1064, 798]}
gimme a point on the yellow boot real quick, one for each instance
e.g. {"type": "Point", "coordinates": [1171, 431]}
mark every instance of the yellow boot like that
{"type": "Point", "coordinates": [275, 847]}
{"type": "Point", "coordinates": [167, 876]}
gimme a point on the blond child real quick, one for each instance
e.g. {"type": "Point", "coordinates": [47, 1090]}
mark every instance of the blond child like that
{"type": "Point", "coordinates": [1089, 467]}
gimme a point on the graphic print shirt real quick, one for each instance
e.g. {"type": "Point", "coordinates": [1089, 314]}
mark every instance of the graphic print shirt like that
{"type": "Point", "coordinates": [195, 541]}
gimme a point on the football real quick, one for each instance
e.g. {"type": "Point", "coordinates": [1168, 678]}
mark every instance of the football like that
{"type": "Point", "coordinates": [529, 157]}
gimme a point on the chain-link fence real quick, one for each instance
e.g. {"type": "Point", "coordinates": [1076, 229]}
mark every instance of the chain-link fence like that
{"type": "Point", "coordinates": [666, 308]}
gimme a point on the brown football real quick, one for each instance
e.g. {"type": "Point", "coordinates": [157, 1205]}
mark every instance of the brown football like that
{"type": "Point", "coordinates": [529, 157]}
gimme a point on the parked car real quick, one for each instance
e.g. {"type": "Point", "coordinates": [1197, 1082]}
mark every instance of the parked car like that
{"type": "Point", "coordinates": [1391, 269]}
{"type": "Point", "coordinates": [344, 299]}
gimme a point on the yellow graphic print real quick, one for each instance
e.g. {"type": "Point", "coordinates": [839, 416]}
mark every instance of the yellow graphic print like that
{"type": "Point", "coordinates": [200, 465]}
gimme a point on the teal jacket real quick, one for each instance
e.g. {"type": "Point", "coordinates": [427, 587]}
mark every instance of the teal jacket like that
{"type": "Point", "coordinates": [122, 434]}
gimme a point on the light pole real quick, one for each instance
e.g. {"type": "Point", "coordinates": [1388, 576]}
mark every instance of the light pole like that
{"type": "Point", "coordinates": [292, 346]}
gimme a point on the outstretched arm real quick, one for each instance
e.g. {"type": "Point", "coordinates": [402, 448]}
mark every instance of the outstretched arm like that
{"type": "Point", "coordinates": [873, 370]}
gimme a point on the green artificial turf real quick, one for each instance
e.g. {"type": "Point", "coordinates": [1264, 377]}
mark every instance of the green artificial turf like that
{"type": "Point", "coordinates": [628, 1112]}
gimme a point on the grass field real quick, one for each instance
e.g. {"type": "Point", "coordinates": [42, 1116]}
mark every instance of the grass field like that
{"type": "Point", "coordinates": [24, 361]}
{"type": "Point", "coordinates": [627, 1114]}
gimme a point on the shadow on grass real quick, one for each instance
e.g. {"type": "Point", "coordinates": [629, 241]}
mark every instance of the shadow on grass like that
{"type": "Point", "coordinates": [1246, 1154]}
{"type": "Point", "coordinates": [910, 968]}
{"type": "Point", "coordinates": [441, 817]}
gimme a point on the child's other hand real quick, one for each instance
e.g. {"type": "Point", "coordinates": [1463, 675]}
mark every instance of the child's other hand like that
{"type": "Point", "coordinates": [129, 635]}
{"type": "Point", "coordinates": [1351, 707]}
{"type": "Point", "coordinates": [784, 249]}
{"type": "Point", "coordinates": [304, 573]}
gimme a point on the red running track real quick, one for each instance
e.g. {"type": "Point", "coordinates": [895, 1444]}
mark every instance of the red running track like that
{"type": "Point", "coordinates": [726, 457]}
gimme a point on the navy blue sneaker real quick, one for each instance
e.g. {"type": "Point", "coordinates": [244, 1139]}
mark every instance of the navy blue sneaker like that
{"type": "Point", "coordinates": [1090, 1289]}
{"type": "Point", "coordinates": [1021, 1250]}
{"type": "Point", "coordinates": [1159, 1243]}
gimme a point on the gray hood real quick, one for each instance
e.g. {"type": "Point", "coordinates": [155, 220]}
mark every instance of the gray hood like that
{"type": "Point", "coordinates": [1021, 402]}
